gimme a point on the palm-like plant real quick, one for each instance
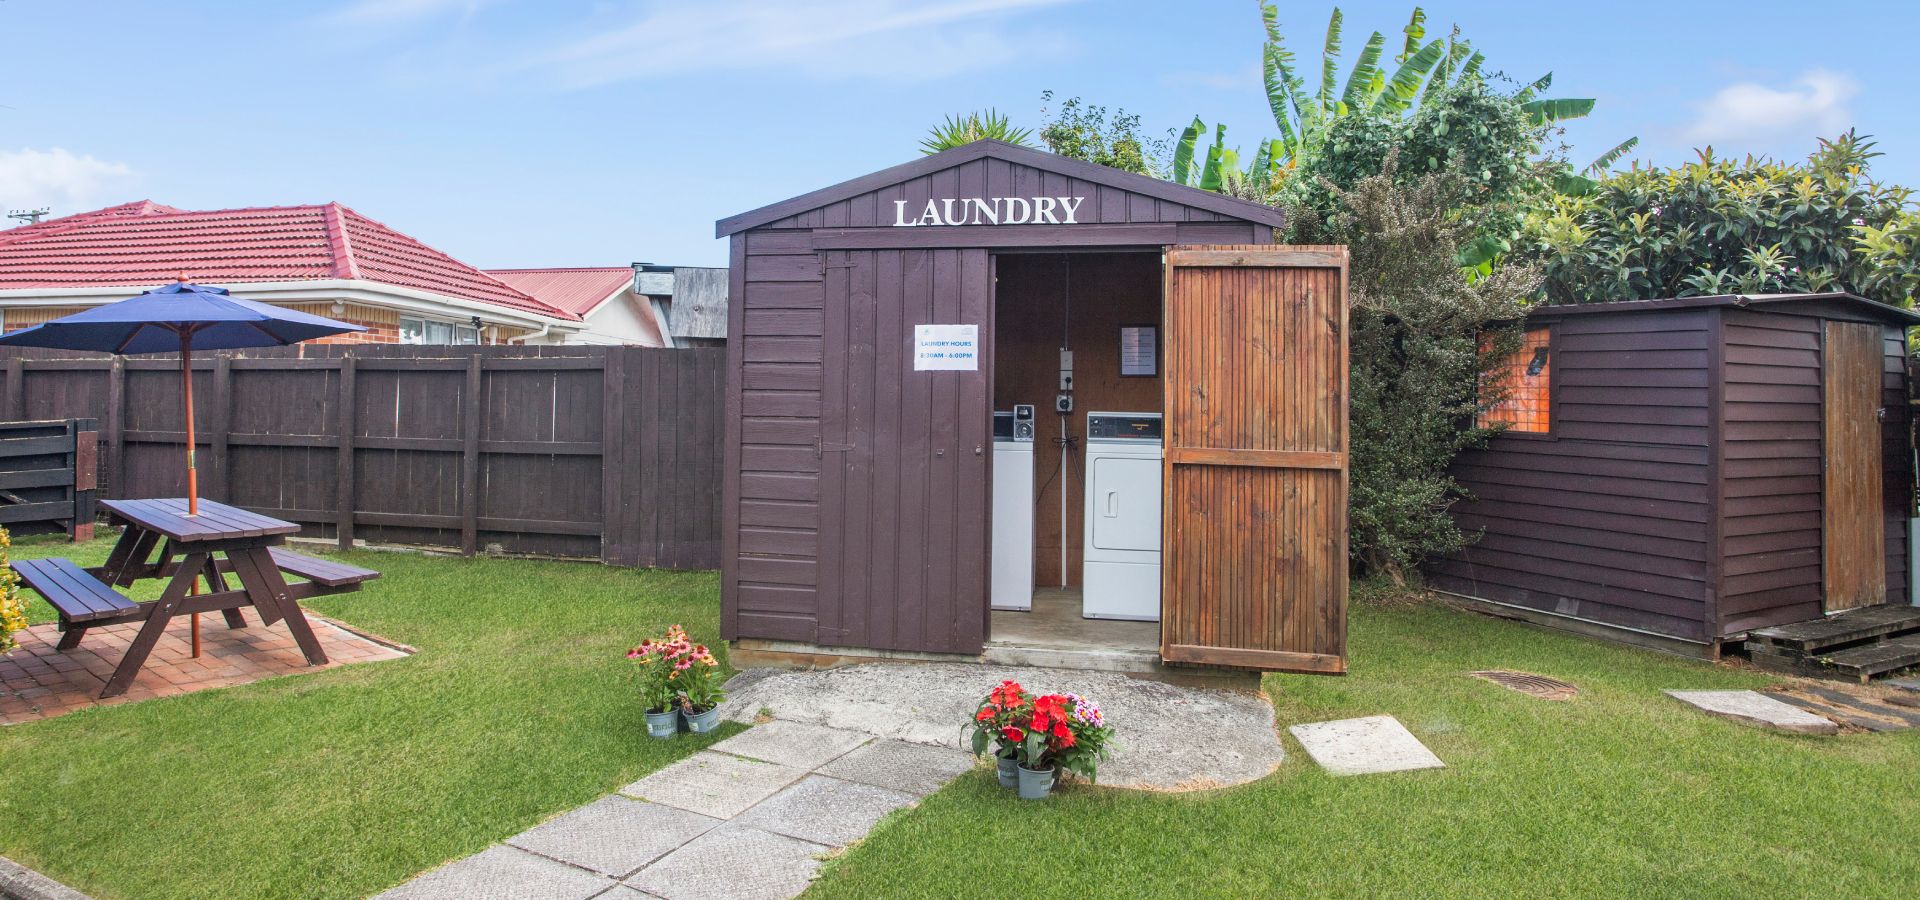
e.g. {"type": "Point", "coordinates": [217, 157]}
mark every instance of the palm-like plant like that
{"type": "Point", "coordinates": [974, 126]}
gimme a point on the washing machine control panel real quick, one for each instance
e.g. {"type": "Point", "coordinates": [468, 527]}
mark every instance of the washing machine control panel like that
{"type": "Point", "coordinates": [1105, 426]}
{"type": "Point", "coordinates": [1014, 426]}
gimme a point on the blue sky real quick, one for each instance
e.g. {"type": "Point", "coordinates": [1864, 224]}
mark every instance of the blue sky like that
{"type": "Point", "coordinates": [600, 132]}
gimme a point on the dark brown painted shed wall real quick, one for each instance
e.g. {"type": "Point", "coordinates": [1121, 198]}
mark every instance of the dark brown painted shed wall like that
{"type": "Point", "coordinates": [1680, 490]}
{"type": "Point", "coordinates": [782, 532]}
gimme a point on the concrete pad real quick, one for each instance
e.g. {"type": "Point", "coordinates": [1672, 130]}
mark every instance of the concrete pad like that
{"type": "Point", "coordinates": [733, 863]}
{"type": "Point", "coordinates": [825, 810]}
{"type": "Point", "coordinates": [795, 744]}
{"type": "Point", "coordinates": [714, 784]}
{"type": "Point", "coordinates": [913, 768]}
{"type": "Point", "coordinates": [503, 873]}
{"type": "Point", "coordinates": [1911, 685]}
{"type": "Point", "coordinates": [614, 835]}
{"type": "Point", "coordinates": [1364, 746]}
{"type": "Point", "coordinates": [1753, 708]}
{"type": "Point", "coordinates": [930, 703]}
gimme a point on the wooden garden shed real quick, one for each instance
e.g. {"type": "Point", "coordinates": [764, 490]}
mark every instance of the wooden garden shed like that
{"type": "Point", "coordinates": [1682, 472]}
{"type": "Point", "coordinates": [881, 322]}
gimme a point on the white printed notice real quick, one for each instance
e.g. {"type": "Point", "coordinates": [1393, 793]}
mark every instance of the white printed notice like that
{"type": "Point", "coordinates": [948, 347]}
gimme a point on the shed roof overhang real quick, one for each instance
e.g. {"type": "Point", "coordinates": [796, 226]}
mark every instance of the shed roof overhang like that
{"type": "Point", "coordinates": [1072, 168]}
{"type": "Point", "coordinates": [1768, 302]}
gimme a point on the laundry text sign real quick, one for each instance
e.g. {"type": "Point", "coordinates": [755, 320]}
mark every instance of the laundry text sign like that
{"type": "Point", "coordinates": [989, 211]}
{"type": "Point", "coordinates": [946, 347]}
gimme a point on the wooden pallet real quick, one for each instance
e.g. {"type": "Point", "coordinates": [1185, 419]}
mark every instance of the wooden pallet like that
{"type": "Point", "coordinates": [1860, 644]}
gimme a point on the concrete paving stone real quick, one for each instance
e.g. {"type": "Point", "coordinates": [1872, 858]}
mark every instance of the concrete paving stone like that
{"type": "Point", "coordinates": [503, 873]}
{"type": "Point", "coordinates": [914, 768]}
{"type": "Point", "coordinates": [614, 835]}
{"type": "Point", "coordinates": [825, 810]}
{"type": "Point", "coordinates": [623, 892]}
{"type": "Point", "coordinates": [1905, 684]}
{"type": "Point", "coordinates": [928, 703]}
{"type": "Point", "coordinates": [1753, 708]}
{"type": "Point", "coordinates": [733, 862]}
{"type": "Point", "coordinates": [795, 744]}
{"type": "Point", "coordinates": [1364, 746]}
{"type": "Point", "coordinates": [714, 784]}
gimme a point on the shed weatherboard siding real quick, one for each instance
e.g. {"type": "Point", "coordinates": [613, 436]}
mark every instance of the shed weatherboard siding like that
{"type": "Point", "coordinates": [815, 504]}
{"type": "Point", "coordinates": [1607, 517]}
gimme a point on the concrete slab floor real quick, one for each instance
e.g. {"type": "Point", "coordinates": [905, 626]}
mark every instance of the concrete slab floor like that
{"type": "Point", "coordinates": [1055, 623]}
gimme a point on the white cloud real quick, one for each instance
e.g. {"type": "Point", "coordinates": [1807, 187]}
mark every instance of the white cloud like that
{"type": "Point", "coordinates": [900, 39]}
{"type": "Point", "coordinates": [56, 178]}
{"type": "Point", "coordinates": [1748, 112]}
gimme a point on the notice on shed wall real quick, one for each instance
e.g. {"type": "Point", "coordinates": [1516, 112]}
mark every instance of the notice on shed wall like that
{"type": "Point", "coordinates": [946, 347]}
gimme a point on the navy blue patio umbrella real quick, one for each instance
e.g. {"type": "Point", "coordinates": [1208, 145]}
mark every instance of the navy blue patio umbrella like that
{"type": "Point", "coordinates": [179, 318]}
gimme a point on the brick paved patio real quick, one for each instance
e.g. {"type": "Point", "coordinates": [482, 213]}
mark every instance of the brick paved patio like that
{"type": "Point", "coordinates": [39, 682]}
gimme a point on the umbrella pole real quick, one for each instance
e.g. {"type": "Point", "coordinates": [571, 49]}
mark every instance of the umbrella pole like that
{"type": "Point", "coordinates": [193, 480]}
{"type": "Point", "coordinates": [186, 380]}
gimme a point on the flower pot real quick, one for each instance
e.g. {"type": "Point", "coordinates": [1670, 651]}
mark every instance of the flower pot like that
{"type": "Point", "coordinates": [1035, 784]}
{"type": "Point", "coordinates": [1009, 771]}
{"type": "Point", "coordinates": [702, 722]}
{"type": "Point", "coordinates": [663, 724]}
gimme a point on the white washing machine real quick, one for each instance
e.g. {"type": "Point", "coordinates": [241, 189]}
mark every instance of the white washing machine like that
{"type": "Point", "coordinates": [1121, 560]}
{"type": "Point", "coordinates": [1013, 509]}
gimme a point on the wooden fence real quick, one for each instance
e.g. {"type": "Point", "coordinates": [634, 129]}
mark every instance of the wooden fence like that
{"type": "Point", "coordinates": [599, 452]}
{"type": "Point", "coordinates": [47, 477]}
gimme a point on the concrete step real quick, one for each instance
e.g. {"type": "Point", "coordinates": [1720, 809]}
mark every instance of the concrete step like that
{"type": "Point", "coordinates": [1835, 631]}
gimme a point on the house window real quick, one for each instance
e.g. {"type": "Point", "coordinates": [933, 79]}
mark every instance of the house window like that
{"type": "Point", "coordinates": [1526, 378]}
{"type": "Point", "coordinates": [428, 331]}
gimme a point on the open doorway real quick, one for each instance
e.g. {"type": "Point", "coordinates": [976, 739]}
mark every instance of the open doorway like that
{"type": "Point", "coordinates": [1084, 326]}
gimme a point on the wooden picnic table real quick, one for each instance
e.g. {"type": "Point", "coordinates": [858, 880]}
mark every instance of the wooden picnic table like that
{"type": "Point", "coordinates": [220, 542]}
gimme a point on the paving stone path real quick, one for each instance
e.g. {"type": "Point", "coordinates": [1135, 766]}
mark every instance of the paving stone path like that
{"type": "Point", "coordinates": [1754, 708]}
{"type": "Point", "coordinates": [750, 817]}
{"type": "Point", "coordinates": [1364, 746]}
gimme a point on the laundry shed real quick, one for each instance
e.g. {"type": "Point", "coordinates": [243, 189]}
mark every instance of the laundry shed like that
{"type": "Point", "coordinates": [1680, 473]}
{"type": "Point", "coordinates": [999, 404]}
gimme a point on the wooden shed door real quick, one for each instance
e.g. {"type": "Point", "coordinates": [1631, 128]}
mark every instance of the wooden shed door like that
{"type": "Point", "coordinates": [903, 454]}
{"type": "Point", "coordinates": [1254, 561]}
{"type": "Point", "coordinates": [1854, 539]}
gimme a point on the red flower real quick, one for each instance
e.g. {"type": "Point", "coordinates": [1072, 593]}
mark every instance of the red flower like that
{"type": "Point", "coordinates": [985, 713]}
{"type": "Point", "coordinates": [1013, 733]}
{"type": "Point", "coordinates": [1064, 734]}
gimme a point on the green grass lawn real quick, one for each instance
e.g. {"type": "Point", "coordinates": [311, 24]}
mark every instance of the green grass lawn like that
{"type": "Point", "coordinates": [1619, 792]}
{"type": "Point", "coordinates": [344, 782]}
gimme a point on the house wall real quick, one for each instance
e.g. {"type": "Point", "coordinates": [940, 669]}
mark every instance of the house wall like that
{"type": "Point", "coordinates": [1607, 517]}
{"type": "Point", "coordinates": [626, 319]}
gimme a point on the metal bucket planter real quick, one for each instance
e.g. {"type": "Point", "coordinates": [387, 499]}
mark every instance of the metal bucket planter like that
{"type": "Point", "coordinates": [1009, 770]}
{"type": "Point", "coordinates": [663, 724]}
{"type": "Point", "coordinates": [1036, 784]}
{"type": "Point", "coordinates": [702, 722]}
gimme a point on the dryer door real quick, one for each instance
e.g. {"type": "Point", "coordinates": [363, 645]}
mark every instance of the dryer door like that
{"type": "Point", "coordinates": [1125, 503]}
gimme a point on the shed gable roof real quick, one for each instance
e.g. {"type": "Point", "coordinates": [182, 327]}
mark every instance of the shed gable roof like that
{"type": "Point", "coordinates": [1212, 205]}
{"type": "Point", "coordinates": [1801, 303]}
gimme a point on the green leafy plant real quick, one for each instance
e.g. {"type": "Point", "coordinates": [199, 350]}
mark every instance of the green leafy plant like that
{"type": "Point", "coordinates": [13, 606]}
{"type": "Point", "coordinates": [1416, 354]}
{"type": "Point", "coordinates": [1082, 131]}
{"type": "Point", "coordinates": [1716, 226]}
{"type": "Point", "coordinates": [674, 672]}
{"type": "Point", "coordinates": [961, 130]}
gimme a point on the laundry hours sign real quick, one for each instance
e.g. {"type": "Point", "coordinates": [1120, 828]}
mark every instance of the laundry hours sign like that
{"type": "Point", "coordinates": [989, 211]}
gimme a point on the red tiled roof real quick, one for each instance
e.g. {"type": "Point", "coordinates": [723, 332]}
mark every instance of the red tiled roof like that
{"type": "Point", "coordinates": [144, 243]}
{"type": "Point", "coordinates": [577, 291]}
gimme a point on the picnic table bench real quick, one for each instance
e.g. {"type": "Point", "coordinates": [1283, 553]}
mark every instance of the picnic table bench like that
{"type": "Point", "coordinates": [221, 541]}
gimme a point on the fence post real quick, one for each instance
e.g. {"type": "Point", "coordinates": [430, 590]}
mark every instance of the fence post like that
{"type": "Point", "coordinates": [16, 390]}
{"type": "Point", "coordinates": [222, 426]}
{"type": "Point", "coordinates": [470, 461]}
{"type": "Point", "coordinates": [116, 427]}
{"type": "Point", "coordinates": [613, 518]}
{"type": "Point", "coordinates": [343, 490]}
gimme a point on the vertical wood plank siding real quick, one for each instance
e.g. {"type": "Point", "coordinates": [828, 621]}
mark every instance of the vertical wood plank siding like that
{"type": "Point", "coordinates": [1607, 516]}
{"type": "Point", "coordinates": [855, 504]}
{"type": "Point", "coordinates": [398, 445]}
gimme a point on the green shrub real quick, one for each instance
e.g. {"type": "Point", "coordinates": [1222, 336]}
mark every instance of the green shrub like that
{"type": "Point", "coordinates": [1715, 226]}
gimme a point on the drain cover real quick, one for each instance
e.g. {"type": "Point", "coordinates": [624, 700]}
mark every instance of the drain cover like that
{"type": "Point", "coordinates": [1532, 685]}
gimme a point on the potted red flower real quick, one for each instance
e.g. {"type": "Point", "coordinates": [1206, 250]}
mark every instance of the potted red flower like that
{"type": "Point", "coordinates": [999, 722]}
{"type": "Point", "coordinates": [1034, 738]}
